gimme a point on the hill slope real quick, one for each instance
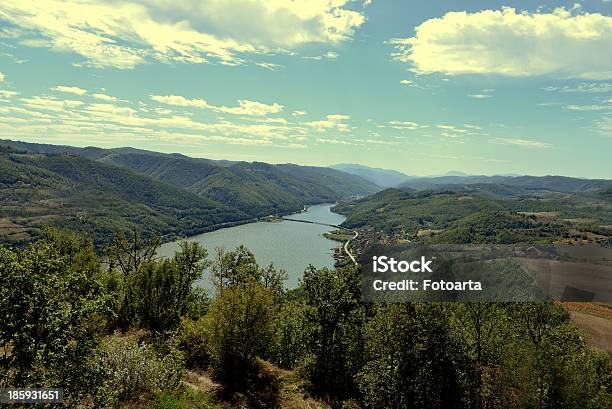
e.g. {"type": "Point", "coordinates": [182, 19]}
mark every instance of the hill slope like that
{"type": "Point", "coordinates": [533, 184]}
{"type": "Point", "coordinates": [256, 189]}
{"type": "Point", "coordinates": [482, 216]}
{"type": "Point", "coordinates": [76, 192]}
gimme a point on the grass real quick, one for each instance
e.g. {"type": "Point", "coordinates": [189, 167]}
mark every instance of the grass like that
{"type": "Point", "coordinates": [338, 236]}
{"type": "Point", "coordinates": [185, 399]}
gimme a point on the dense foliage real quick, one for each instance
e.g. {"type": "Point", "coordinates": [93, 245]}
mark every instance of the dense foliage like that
{"type": "Point", "coordinates": [75, 192]}
{"type": "Point", "coordinates": [127, 331]}
{"type": "Point", "coordinates": [457, 216]}
{"type": "Point", "coordinates": [251, 189]}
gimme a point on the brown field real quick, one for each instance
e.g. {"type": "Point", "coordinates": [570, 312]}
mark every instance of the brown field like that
{"type": "Point", "coordinates": [598, 329]}
{"type": "Point", "coordinates": [561, 278]}
{"type": "Point", "coordinates": [595, 320]}
{"type": "Point", "coordinates": [580, 220]}
{"type": "Point", "coordinates": [540, 214]}
{"type": "Point", "coordinates": [427, 232]}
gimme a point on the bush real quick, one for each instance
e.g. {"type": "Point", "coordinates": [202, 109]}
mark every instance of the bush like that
{"type": "Point", "coordinates": [292, 332]}
{"type": "Point", "coordinates": [188, 398]}
{"type": "Point", "coordinates": [240, 325]}
{"type": "Point", "coordinates": [49, 311]}
{"type": "Point", "coordinates": [135, 368]}
{"type": "Point", "coordinates": [195, 342]}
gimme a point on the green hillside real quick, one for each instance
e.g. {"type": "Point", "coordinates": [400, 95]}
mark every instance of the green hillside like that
{"type": "Point", "coordinates": [489, 214]}
{"type": "Point", "coordinates": [256, 189]}
{"type": "Point", "coordinates": [530, 183]}
{"type": "Point", "coordinates": [76, 192]}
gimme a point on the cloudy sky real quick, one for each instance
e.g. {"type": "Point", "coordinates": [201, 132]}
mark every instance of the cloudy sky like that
{"type": "Point", "coordinates": [483, 87]}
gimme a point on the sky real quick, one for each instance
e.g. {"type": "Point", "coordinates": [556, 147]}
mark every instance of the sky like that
{"type": "Point", "coordinates": [482, 87]}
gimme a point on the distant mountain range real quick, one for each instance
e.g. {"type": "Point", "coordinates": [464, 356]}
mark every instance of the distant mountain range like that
{"type": "Point", "coordinates": [381, 177]}
{"type": "Point", "coordinates": [105, 190]}
{"type": "Point", "coordinates": [529, 184]}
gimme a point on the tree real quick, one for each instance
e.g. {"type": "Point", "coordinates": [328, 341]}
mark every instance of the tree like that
{"type": "Point", "coordinates": [548, 364]}
{"type": "Point", "coordinates": [292, 333]}
{"type": "Point", "coordinates": [336, 316]}
{"type": "Point", "coordinates": [234, 267]}
{"type": "Point", "coordinates": [160, 292]}
{"type": "Point", "coordinates": [239, 322]}
{"type": "Point", "coordinates": [414, 360]}
{"type": "Point", "coordinates": [128, 254]}
{"type": "Point", "coordinates": [49, 307]}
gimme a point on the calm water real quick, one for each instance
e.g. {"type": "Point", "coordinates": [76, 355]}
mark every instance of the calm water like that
{"type": "Point", "coordinates": [289, 245]}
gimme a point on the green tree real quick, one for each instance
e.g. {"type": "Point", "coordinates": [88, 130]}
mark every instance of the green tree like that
{"type": "Point", "coordinates": [239, 322]}
{"type": "Point", "coordinates": [49, 309]}
{"type": "Point", "coordinates": [234, 267]}
{"type": "Point", "coordinates": [336, 316]}
{"type": "Point", "coordinates": [292, 332]}
{"type": "Point", "coordinates": [160, 292]}
{"type": "Point", "coordinates": [414, 360]}
{"type": "Point", "coordinates": [548, 364]}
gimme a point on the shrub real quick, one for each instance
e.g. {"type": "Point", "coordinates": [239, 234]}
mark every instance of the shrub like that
{"type": "Point", "coordinates": [195, 342]}
{"type": "Point", "coordinates": [49, 306]}
{"type": "Point", "coordinates": [135, 368]}
{"type": "Point", "coordinates": [187, 398]}
{"type": "Point", "coordinates": [240, 325]}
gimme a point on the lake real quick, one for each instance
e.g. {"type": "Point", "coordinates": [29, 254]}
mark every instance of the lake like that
{"type": "Point", "coordinates": [291, 246]}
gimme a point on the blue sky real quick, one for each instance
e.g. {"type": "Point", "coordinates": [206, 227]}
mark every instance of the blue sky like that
{"type": "Point", "coordinates": [483, 87]}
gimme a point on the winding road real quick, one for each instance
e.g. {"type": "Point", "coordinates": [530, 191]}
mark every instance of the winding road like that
{"type": "Point", "coordinates": [346, 250]}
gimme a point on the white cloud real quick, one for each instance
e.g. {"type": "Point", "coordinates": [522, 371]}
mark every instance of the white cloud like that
{"type": "Point", "coordinates": [125, 33]}
{"type": "Point", "coordinates": [70, 90]}
{"type": "Point", "coordinates": [330, 55]}
{"type": "Point", "coordinates": [526, 143]}
{"type": "Point", "coordinates": [604, 125]}
{"type": "Point", "coordinates": [480, 96]}
{"type": "Point", "coordinates": [50, 103]}
{"type": "Point", "coordinates": [512, 43]}
{"type": "Point", "coordinates": [52, 117]}
{"type": "Point", "coordinates": [104, 97]}
{"type": "Point", "coordinates": [584, 108]}
{"type": "Point", "coordinates": [178, 100]}
{"type": "Point", "coordinates": [406, 82]}
{"type": "Point", "coordinates": [1, 77]}
{"type": "Point", "coordinates": [334, 122]}
{"type": "Point", "coordinates": [585, 87]}
{"type": "Point", "coordinates": [406, 125]}
{"type": "Point", "coordinates": [298, 113]}
{"type": "Point", "coordinates": [4, 93]}
{"type": "Point", "coordinates": [245, 107]}
{"type": "Point", "coordinates": [269, 66]}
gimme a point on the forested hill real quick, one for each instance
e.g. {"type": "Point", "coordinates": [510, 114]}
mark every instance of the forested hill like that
{"type": "Point", "coordinates": [532, 184]}
{"type": "Point", "coordinates": [487, 214]}
{"type": "Point", "coordinates": [75, 192]}
{"type": "Point", "coordinates": [256, 189]}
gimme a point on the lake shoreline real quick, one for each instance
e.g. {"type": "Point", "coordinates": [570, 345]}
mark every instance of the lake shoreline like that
{"type": "Point", "coordinates": [289, 245]}
{"type": "Point", "coordinates": [168, 238]}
